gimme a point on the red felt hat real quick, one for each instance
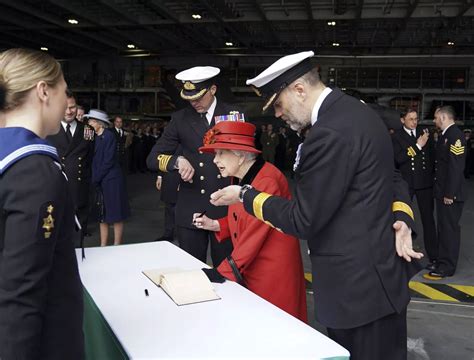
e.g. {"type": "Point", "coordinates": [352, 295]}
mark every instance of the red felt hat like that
{"type": "Point", "coordinates": [230, 135]}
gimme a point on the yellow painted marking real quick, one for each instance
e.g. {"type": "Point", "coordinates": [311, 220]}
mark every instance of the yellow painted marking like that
{"type": "Point", "coordinates": [308, 276]}
{"type": "Point", "coordinates": [464, 288]}
{"type": "Point", "coordinates": [430, 292]}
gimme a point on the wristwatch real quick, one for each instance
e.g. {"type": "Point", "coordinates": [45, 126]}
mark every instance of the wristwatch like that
{"type": "Point", "coordinates": [242, 191]}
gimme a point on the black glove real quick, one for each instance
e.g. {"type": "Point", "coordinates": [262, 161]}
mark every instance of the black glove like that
{"type": "Point", "coordinates": [214, 275]}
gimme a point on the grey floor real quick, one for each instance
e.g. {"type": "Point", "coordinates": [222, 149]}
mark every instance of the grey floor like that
{"type": "Point", "coordinates": [437, 330]}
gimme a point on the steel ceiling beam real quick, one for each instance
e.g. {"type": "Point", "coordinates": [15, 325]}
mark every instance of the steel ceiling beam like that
{"type": "Point", "coordinates": [357, 21]}
{"type": "Point", "coordinates": [10, 17]}
{"type": "Point", "coordinates": [160, 7]}
{"type": "Point", "coordinates": [412, 5]}
{"type": "Point", "coordinates": [119, 45]}
{"type": "Point", "coordinates": [268, 24]}
{"type": "Point", "coordinates": [221, 21]}
{"type": "Point", "coordinates": [171, 40]}
{"type": "Point", "coordinates": [312, 28]}
{"type": "Point", "coordinates": [34, 12]}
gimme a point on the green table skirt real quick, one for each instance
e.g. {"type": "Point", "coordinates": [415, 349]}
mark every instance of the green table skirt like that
{"type": "Point", "coordinates": [100, 341]}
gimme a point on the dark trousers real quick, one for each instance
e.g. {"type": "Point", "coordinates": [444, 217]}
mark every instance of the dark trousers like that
{"type": "Point", "coordinates": [385, 338]}
{"type": "Point", "coordinates": [195, 243]}
{"type": "Point", "coordinates": [425, 200]}
{"type": "Point", "coordinates": [169, 220]}
{"type": "Point", "coordinates": [449, 235]}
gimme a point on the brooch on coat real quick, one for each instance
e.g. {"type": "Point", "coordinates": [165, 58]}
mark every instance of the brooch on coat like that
{"type": "Point", "coordinates": [88, 133]}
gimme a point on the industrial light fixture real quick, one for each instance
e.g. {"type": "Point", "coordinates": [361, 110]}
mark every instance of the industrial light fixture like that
{"type": "Point", "coordinates": [335, 44]}
{"type": "Point", "coordinates": [196, 16]}
{"type": "Point", "coordinates": [44, 48]}
{"type": "Point", "coordinates": [228, 43]}
{"type": "Point", "coordinates": [451, 43]}
{"type": "Point", "coordinates": [331, 23]}
{"type": "Point", "coordinates": [73, 21]}
{"type": "Point", "coordinates": [131, 46]}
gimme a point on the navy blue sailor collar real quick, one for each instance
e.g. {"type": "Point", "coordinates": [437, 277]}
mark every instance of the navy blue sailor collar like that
{"type": "Point", "coordinates": [17, 143]}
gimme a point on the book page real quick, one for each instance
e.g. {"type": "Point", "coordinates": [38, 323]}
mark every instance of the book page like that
{"type": "Point", "coordinates": [184, 287]}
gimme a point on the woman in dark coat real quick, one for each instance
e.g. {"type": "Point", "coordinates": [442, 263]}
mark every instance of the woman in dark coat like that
{"type": "Point", "coordinates": [108, 178]}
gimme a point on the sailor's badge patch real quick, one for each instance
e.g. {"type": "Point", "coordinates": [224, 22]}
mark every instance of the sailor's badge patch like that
{"type": "Point", "coordinates": [47, 221]}
{"type": "Point", "coordinates": [457, 148]}
{"type": "Point", "coordinates": [88, 133]}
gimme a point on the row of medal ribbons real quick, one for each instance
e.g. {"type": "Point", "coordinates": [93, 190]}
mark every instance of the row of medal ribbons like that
{"type": "Point", "coordinates": [233, 116]}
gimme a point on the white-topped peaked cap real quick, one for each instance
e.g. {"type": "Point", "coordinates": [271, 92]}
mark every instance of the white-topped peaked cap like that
{"type": "Point", "coordinates": [98, 115]}
{"type": "Point", "coordinates": [279, 75]}
{"type": "Point", "coordinates": [196, 81]}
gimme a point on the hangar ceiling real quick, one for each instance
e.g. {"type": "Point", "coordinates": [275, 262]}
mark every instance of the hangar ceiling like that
{"type": "Point", "coordinates": [78, 28]}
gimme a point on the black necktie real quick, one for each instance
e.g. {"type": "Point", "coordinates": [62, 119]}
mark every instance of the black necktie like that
{"type": "Point", "coordinates": [203, 116]}
{"type": "Point", "coordinates": [68, 133]}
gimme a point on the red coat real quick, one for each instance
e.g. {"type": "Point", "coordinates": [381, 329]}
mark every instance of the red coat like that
{"type": "Point", "coordinates": [269, 261]}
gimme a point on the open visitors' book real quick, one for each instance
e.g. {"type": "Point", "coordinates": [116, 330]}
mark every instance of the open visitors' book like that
{"type": "Point", "coordinates": [183, 286]}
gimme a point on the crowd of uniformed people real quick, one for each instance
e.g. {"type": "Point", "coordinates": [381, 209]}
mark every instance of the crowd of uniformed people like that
{"type": "Point", "coordinates": [222, 181]}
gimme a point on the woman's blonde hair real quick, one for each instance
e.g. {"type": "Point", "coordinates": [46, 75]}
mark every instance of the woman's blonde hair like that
{"type": "Point", "coordinates": [20, 71]}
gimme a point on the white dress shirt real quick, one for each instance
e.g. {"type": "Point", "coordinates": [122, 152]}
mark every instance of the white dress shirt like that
{"type": "Point", "coordinates": [210, 111]}
{"type": "Point", "coordinates": [72, 128]}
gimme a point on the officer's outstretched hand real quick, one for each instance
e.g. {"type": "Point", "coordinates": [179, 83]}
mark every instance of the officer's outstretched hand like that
{"type": "Point", "coordinates": [213, 275]}
{"type": "Point", "coordinates": [226, 196]}
{"type": "Point", "coordinates": [404, 243]}
{"type": "Point", "coordinates": [185, 169]}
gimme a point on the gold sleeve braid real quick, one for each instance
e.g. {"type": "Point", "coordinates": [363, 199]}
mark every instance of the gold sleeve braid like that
{"type": "Point", "coordinates": [401, 206]}
{"type": "Point", "coordinates": [258, 202]}
{"type": "Point", "coordinates": [163, 161]}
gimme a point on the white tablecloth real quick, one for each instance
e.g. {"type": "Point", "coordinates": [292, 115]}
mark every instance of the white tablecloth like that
{"type": "Point", "coordinates": [239, 326]}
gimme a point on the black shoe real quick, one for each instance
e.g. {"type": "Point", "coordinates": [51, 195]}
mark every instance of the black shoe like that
{"type": "Point", "coordinates": [432, 266]}
{"type": "Point", "coordinates": [439, 274]}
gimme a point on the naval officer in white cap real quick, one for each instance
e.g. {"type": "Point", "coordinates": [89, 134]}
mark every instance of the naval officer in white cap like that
{"type": "Point", "coordinates": [343, 206]}
{"type": "Point", "coordinates": [199, 175]}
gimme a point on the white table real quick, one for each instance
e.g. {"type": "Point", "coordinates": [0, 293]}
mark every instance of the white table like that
{"type": "Point", "coordinates": [239, 326]}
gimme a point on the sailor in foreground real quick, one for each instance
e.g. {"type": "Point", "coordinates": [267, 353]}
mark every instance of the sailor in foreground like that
{"type": "Point", "coordinates": [199, 176]}
{"type": "Point", "coordinates": [41, 305]}
{"type": "Point", "coordinates": [349, 204]}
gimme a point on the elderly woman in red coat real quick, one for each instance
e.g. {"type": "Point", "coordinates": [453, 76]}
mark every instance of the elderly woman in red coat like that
{"type": "Point", "coordinates": [264, 259]}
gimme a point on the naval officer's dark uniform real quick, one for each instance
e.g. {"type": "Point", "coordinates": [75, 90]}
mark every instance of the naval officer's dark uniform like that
{"type": "Point", "coordinates": [347, 197]}
{"type": "Point", "coordinates": [41, 305]}
{"type": "Point", "coordinates": [416, 166]}
{"type": "Point", "coordinates": [76, 157]}
{"type": "Point", "coordinates": [187, 128]}
{"type": "Point", "coordinates": [449, 183]}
